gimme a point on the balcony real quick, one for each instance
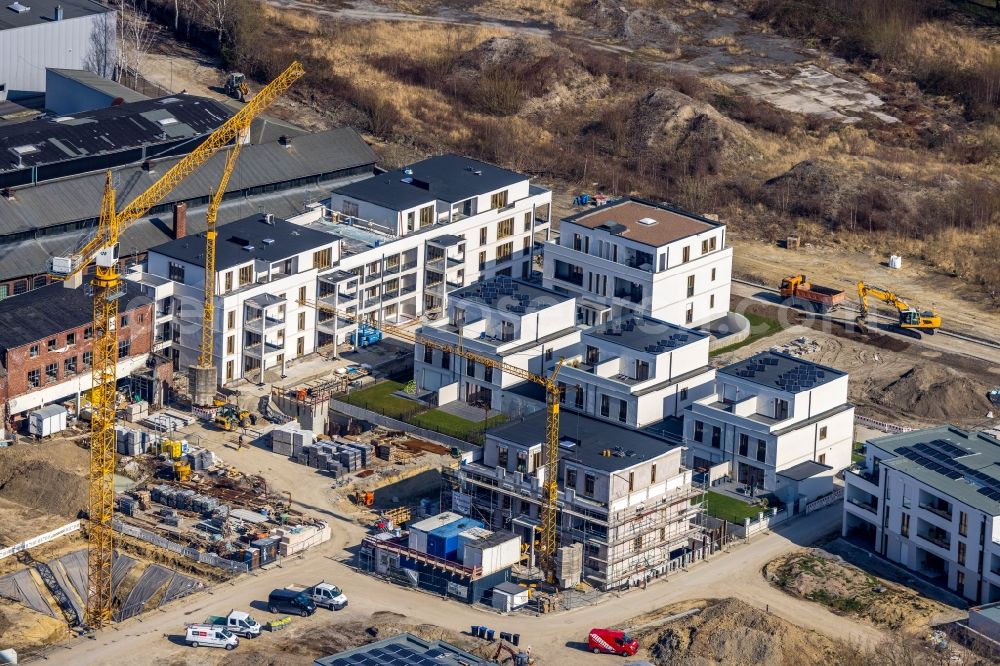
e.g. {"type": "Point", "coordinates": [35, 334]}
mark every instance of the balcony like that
{"type": "Point", "coordinates": [390, 295]}
{"type": "Point", "coordinates": [408, 290]}
{"type": "Point", "coordinates": [345, 297]}
{"type": "Point", "coordinates": [408, 266]}
{"type": "Point", "coordinates": [936, 510]}
{"type": "Point", "coordinates": [937, 537]}
{"type": "Point", "coordinates": [867, 506]}
{"type": "Point", "coordinates": [269, 349]}
{"type": "Point", "coordinates": [371, 302]}
{"type": "Point", "coordinates": [391, 270]}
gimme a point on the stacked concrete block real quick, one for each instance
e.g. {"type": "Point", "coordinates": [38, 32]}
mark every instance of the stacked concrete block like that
{"type": "Point", "coordinates": [286, 440]}
{"type": "Point", "coordinates": [569, 565]}
{"type": "Point", "coordinates": [292, 540]}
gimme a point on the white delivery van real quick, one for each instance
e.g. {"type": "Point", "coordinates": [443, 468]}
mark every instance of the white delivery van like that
{"type": "Point", "coordinates": [210, 636]}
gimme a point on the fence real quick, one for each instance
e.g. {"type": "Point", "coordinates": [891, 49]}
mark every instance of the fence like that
{"type": "Point", "coordinates": [190, 553]}
{"type": "Point", "coordinates": [880, 425]}
{"type": "Point", "coordinates": [394, 424]}
{"type": "Point", "coordinates": [825, 501]}
{"type": "Point", "coordinates": [763, 522]}
{"type": "Point", "coordinates": [40, 539]}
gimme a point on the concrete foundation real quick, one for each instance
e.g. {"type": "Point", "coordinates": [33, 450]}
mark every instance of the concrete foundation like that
{"type": "Point", "coordinates": [201, 383]}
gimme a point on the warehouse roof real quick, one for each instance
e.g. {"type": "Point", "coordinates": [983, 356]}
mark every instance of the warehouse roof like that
{"type": "Point", "coordinates": [99, 83]}
{"type": "Point", "coordinates": [583, 439]}
{"type": "Point", "coordinates": [645, 334]}
{"type": "Point", "coordinates": [43, 11]}
{"type": "Point", "coordinates": [403, 650]}
{"type": "Point", "coordinates": [115, 128]}
{"type": "Point", "coordinates": [962, 464]}
{"type": "Point", "coordinates": [79, 198]}
{"type": "Point", "coordinates": [257, 237]}
{"type": "Point", "coordinates": [449, 178]}
{"type": "Point", "coordinates": [785, 372]}
{"type": "Point", "coordinates": [644, 221]}
{"type": "Point", "coordinates": [47, 311]}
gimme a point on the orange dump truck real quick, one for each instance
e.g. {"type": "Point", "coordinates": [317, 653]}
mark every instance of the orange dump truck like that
{"type": "Point", "coordinates": [796, 290]}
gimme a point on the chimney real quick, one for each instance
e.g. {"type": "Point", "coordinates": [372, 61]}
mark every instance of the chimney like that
{"type": "Point", "coordinates": [180, 219]}
{"type": "Point", "coordinates": [58, 15]}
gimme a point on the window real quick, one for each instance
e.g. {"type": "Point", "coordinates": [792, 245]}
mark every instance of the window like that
{"type": "Point", "coordinates": [302, 294]}
{"type": "Point", "coordinates": [482, 260]}
{"type": "Point", "coordinates": [33, 351]}
{"type": "Point", "coordinates": [426, 216]}
{"type": "Point", "coordinates": [70, 339]}
{"type": "Point", "coordinates": [761, 450]}
{"type": "Point", "coordinates": [470, 367]}
{"type": "Point", "coordinates": [689, 315]}
{"type": "Point", "coordinates": [960, 581]}
{"type": "Point", "coordinates": [300, 347]}
{"type": "Point", "coordinates": [690, 290]}
{"type": "Point", "coordinates": [69, 366]}
{"type": "Point", "coordinates": [34, 378]}
{"type": "Point", "coordinates": [526, 246]}
{"type": "Point", "coordinates": [571, 478]}
{"type": "Point", "coordinates": [711, 244]}
{"type": "Point", "coordinates": [504, 252]}
{"type": "Point", "coordinates": [699, 431]}
{"type": "Point", "coordinates": [527, 221]}
{"type": "Point", "coordinates": [684, 394]}
{"type": "Point", "coordinates": [652, 474]}
{"type": "Point", "coordinates": [502, 457]}
{"type": "Point", "coordinates": [525, 508]}
{"type": "Point", "coordinates": [536, 460]}
{"type": "Point", "coordinates": [323, 258]}
{"type": "Point", "coordinates": [963, 523]}
{"type": "Point", "coordinates": [562, 393]}
{"type": "Point", "coordinates": [445, 360]}
{"type": "Point", "coordinates": [631, 481]}
{"type": "Point", "coordinates": [349, 208]}
{"type": "Point", "coordinates": [704, 246]}
{"type": "Point", "coordinates": [711, 301]}
{"type": "Point", "coordinates": [498, 200]}
{"type": "Point", "coordinates": [822, 459]}
{"type": "Point", "coordinates": [904, 524]}
{"type": "Point", "coordinates": [302, 321]}
{"type": "Point", "coordinates": [716, 437]}
{"type": "Point", "coordinates": [428, 355]}
{"type": "Point", "coordinates": [3, 291]}
{"type": "Point", "coordinates": [231, 344]}
{"type": "Point", "coordinates": [50, 345]}
{"type": "Point", "coordinates": [124, 347]}
{"type": "Point", "coordinates": [229, 370]}
{"type": "Point", "coordinates": [488, 374]}
{"type": "Point", "coordinates": [505, 228]}
{"type": "Point", "coordinates": [686, 254]}
{"type": "Point", "coordinates": [123, 322]}
{"type": "Point", "coordinates": [961, 553]}
{"type": "Point", "coordinates": [88, 333]}
{"type": "Point", "coordinates": [88, 359]}
{"type": "Point", "coordinates": [20, 287]}
{"type": "Point", "coordinates": [822, 432]}
{"type": "Point", "coordinates": [51, 372]}
{"type": "Point", "coordinates": [522, 462]}
{"type": "Point", "coordinates": [589, 480]}
{"type": "Point", "coordinates": [229, 281]}
{"type": "Point", "coordinates": [622, 411]}
{"type": "Point", "coordinates": [605, 405]}
{"type": "Point", "coordinates": [744, 444]}
{"type": "Point", "coordinates": [175, 272]}
{"type": "Point", "coordinates": [231, 320]}
{"type": "Point", "coordinates": [780, 409]}
{"type": "Point", "coordinates": [246, 275]}
{"type": "Point", "coordinates": [548, 354]}
{"type": "Point", "coordinates": [580, 395]}
{"type": "Point", "coordinates": [713, 275]}
{"type": "Point", "coordinates": [483, 236]}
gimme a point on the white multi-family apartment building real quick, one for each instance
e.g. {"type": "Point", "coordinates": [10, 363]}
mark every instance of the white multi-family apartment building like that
{"type": "Point", "coordinates": [414, 234]}
{"type": "Point", "coordinates": [929, 500]}
{"type": "Point", "coordinates": [503, 319]}
{"type": "Point", "coordinates": [623, 494]}
{"type": "Point", "coordinates": [770, 413]}
{"type": "Point", "coordinates": [632, 255]}
{"type": "Point", "coordinates": [637, 371]}
{"type": "Point", "coordinates": [264, 268]}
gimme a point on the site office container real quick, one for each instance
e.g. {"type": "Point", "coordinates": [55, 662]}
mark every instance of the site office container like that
{"type": "Point", "coordinates": [48, 420]}
{"type": "Point", "coordinates": [494, 552]}
{"type": "Point", "coordinates": [443, 542]}
{"type": "Point", "coordinates": [417, 539]}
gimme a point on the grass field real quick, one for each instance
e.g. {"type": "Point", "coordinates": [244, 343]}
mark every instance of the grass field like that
{"type": "Point", "coordinates": [455, 426]}
{"type": "Point", "coordinates": [379, 399]}
{"type": "Point", "coordinates": [729, 508]}
{"type": "Point", "coordinates": [760, 327]}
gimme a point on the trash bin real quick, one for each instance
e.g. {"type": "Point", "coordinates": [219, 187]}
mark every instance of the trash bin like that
{"type": "Point", "coordinates": [482, 632]}
{"type": "Point", "coordinates": [516, 639]}
{"type": "Point", "coordinates": [489, 635]}
{"type": "Point", "coordinates": [475, 631]}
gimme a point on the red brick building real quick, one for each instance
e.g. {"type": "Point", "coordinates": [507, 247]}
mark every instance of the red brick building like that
{"type": "Point", "coordinates": [46, 349]}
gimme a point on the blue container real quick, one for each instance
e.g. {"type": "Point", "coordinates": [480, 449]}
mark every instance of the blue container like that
{"type": "Point", "coordinates": [475, 630]}
{"type": "Point", "coordinates": [443, 542]}
{"type": "Point", "coordinates": [489, 635]}
{"type": "Point", "coordinates": [482, 632]}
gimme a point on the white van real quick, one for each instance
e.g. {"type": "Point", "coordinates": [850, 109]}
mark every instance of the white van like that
{"type": "Point", "coordinates": [211, 636]}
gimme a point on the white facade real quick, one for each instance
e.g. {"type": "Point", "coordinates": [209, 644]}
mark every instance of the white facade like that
{"type": "Point", "coordinates": [635, 256]}
{"type": "Point", "coordinates": [524, 337]}
{"type": "Point", "coordinates": [945, 529]}
{"type": "Point", "coordinates": [769, 413]}
{"type": "Point", "coordinates": [257, 300]}
{"type": "Point", "coordinates": [637, 371]}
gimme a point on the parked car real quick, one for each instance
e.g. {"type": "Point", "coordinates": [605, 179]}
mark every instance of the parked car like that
{"type": "Point", "coordinates": [211, 636]}
{"type": "Point", "coordinates": [295, 602]}
{"type": "Point", "coordinates": [324, 595]}
{"type": "Point", "coordinates": [611, 641]}
{"type": "Point", "coordinates": [237, 622]}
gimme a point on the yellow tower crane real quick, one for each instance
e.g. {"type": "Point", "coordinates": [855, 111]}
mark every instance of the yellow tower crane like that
{"type": "Point", "coordinates": [107, 285]}
{"type": "Point", "coordinates": [550, 446]}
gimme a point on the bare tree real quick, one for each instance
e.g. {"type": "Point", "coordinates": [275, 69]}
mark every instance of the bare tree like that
{"type": "Point", "coordinates": [134, 37]}
{"type": "Point", "coordinates": [101, 54]}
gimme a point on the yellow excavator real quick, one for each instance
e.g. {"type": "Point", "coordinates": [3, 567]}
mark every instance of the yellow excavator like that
{"type": "Point", "coordinates": [909, 317]}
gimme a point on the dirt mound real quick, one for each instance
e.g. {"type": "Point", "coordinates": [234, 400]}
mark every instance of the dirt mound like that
{"type": "Point", "coordinates": [935, 393]}
{"type": "Point", "coordinates": [637, 26]}
{"type": "Point", "coordinates": [733, 632]}
{"type": "Point", "coordinates": [40, 483]}
{"type": "Point", "coordinates": [668, 122]}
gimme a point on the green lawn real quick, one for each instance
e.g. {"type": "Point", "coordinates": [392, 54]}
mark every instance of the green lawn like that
{"type": "Point", "coordinates": [455, 426]}
{"type": "Point", "coordinates": [856, 455]}
{"type": "Point", "coordinates": [760, 327]}
{"type": "Point", "coordinates": [379, 398]}
{"type": "Point", "coordinates": [729, 508]}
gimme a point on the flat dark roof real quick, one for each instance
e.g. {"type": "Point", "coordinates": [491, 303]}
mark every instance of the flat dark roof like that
{"type": "Point", "coordinates": [112, 129]}
{"type": "Point", "coordinates": [781, 371]}
{"type": "Point", "coordinates": [403, 650]}
{"type": "Point", "coordinates": [41, 313]}
{"type": "Point", "coordinates": [629, 446]}
{"type": "Point", "coordinates": [804, 470]}
{"type": "Point", "coordinates": [645, 334]}
{"type": "Point", "coordinates": [507, 294]}
{"type": "Point", "coordinates": [660, 224]}
{"type": "Point", "coordinates": [450, 178]}
{"type": "Point", "coordinates": [43, 11]}
{"type": "Point", "coordinates": [273, 241]}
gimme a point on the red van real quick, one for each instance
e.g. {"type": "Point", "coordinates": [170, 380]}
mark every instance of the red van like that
{"type": "Point", "coordinates": [610, 641]}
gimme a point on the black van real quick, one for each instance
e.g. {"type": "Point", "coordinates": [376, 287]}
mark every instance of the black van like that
{"type": "Point", "coordinates": [290, 601]}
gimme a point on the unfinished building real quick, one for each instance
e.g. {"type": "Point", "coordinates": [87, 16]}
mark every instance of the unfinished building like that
{"type": "Point", "coordinates": [623, 494]}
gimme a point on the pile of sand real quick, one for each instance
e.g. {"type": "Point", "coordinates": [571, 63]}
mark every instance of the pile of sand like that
{"type": "Point", "coordinates": [28, 477]}
{"type": "Point", "coordinates": [935, 393]}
